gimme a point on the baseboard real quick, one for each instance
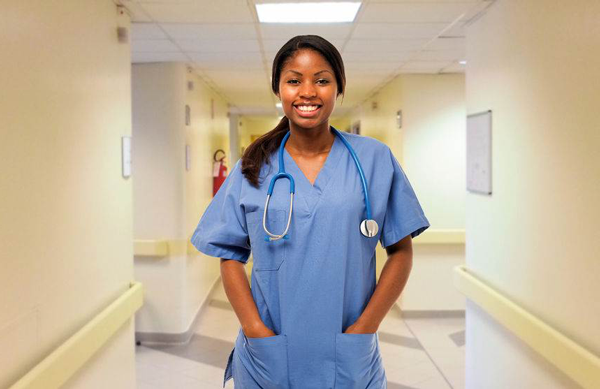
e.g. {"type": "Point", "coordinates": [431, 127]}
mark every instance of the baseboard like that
{"type": "Point", "coordinates": [150, 338]}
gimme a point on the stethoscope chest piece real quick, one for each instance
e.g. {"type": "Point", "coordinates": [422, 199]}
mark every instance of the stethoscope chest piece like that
{"type": "Point", "coordinates": [369, 228]}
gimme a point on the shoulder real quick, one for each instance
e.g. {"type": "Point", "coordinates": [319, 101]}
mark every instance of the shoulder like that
{"type": "Point", "coordinates": [366, 144]}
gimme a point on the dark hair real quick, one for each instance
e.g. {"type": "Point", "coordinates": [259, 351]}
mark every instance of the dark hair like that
{"type": "Point", "coordinates": [260, 150]}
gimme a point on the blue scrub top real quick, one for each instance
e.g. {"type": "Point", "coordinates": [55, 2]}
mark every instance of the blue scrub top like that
{"type": "Point", "coordinates": [311, 287]}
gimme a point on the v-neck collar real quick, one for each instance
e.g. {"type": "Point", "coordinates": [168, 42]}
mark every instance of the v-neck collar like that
{"type": "Point", "coordinates": [325, 173]}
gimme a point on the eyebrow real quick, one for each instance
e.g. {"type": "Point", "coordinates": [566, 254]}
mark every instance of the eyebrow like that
{"type": "Point", "coordinates": [317, 73]}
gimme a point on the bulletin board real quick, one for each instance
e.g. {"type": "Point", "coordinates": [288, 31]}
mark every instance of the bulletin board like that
{"type": "Point", "coordinates": [479, 153]}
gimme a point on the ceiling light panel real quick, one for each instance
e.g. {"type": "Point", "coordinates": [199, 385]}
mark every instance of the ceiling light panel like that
{"type": "Point", "coordinates": [323, 12]}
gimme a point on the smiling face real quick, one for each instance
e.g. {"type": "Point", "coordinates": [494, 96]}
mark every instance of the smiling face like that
{"type": "Point", "coordinates": [307, 89]}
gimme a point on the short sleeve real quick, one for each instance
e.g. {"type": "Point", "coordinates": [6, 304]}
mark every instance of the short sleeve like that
{"type": "Point", "coordinates": [404, 215]}
{"type": "Point", "coordinates": [222, 230]}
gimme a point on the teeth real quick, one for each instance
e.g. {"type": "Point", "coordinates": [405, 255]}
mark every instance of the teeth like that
{"type": "Point", "coordinates": [307, 108]}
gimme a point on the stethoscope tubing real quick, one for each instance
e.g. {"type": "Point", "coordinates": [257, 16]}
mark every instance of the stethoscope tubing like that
{"type": "Point", "coordinates": [282, 174]}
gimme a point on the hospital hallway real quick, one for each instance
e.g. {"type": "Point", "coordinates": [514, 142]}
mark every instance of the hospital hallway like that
{"type": "Point", "coordinates": [120, 120]}
{"type": "Point", "coordinates": [417, 352]}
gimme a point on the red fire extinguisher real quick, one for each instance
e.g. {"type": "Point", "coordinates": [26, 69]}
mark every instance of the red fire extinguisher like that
{"type": "Point", "coordinates": [219, 171]}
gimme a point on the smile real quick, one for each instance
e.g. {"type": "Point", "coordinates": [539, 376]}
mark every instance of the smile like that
{"type": "Point", "coordinates": [307, 110]}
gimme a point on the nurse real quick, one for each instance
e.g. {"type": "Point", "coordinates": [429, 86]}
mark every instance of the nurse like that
{"type": "Point", "coordinates": [310, 318]}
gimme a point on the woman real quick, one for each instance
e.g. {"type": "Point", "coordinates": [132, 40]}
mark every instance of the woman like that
{"type": "Point", "coordinates": [311, 317]}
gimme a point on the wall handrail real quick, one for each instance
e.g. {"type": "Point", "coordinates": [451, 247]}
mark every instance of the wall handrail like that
{"type": "Point", "coordinates": [162, 248]}
{"type": "Point", "coordinates": [441, 236]}
{"type": "Point", "coordinates": [54, 370]}
{"type": "Point", "coordinates": [580, 364]}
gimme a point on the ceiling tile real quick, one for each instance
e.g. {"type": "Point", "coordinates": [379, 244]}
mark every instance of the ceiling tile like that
{"type": "Point", "coordinates": [371, 65]}
{"type": "Point", "coordinates": [440, 55]}
{"type": "Point", "coordinates": [155, 45]}
{"type": "Point", "coordinates": [137, 57]}
{"type": "Point", "coordinates": [218, 46]}
{"type": "Point", "coordinates": [454, 68]}
{"type": "Point", "coordinates": [415, 12]}
{"type": "Point", "coordinates": [398, 30]}
{"type": "Point", "coordinates": [137, 12]}
{"type": "Point", "coordinates": [382, 56]}
{"type": "Point", "coordinates": [425, 66]}
{"type": "Point", "coordinates": [210, 31]}
{"type": "Point", "coordinates": [384, 45]}
{"type": "Point", "coordinates": [222, 11]}
{"type": "Point", "coordinates": [457, 30]}
{"type": "Point", "coordinates": [146, 31]}
{"type": "Point", "coordinates": [457, 43]}
{"type": "Point", "coordinates": [227, 60]}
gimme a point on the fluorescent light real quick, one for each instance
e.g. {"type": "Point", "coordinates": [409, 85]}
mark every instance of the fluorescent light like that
{"type": "Point", "coordinates": [307, 12]}
{"type": "Point", "coordinates": [278, 105]}
{"type": "Point", "coordinates": [462, 62]}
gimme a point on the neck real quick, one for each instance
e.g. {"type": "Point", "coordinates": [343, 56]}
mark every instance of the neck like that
{"type": "Point", "coordinates": [310, 141]}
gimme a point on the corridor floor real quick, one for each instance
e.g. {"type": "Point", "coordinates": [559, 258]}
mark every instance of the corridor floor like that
{"type": "Point", "coordinates": [417, 353]}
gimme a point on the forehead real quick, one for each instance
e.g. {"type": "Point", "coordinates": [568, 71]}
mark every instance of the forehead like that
{"type": "Point", "coordinates": [306, 59]}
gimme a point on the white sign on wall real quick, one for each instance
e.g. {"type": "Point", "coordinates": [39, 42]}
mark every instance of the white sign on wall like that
{"type": "Point", "coordinates": [479, 152]}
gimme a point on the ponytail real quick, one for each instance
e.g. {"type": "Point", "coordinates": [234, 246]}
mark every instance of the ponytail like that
{"type": "Point", "coordinates": [261, 149]}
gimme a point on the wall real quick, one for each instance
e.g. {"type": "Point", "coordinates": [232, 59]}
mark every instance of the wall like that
{"type": "Point", "coordinates": [536, 238]}
{"type": "Point", "coordinates": [66, 224]}
{"type": "Point", "coordinates": [258, 125]}
{"type": "Point", "coordinates": [168, 200]}
{"type": "Point", "coordinates": [430, 146]}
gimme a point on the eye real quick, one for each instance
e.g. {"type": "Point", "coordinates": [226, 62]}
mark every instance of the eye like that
{"type": "Point", "coordinates": [292, 81]}
{"type": "Point", "coordinates": [323, 81]}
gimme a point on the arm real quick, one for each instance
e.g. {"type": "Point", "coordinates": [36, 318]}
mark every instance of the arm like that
{"type": "Point", "coordinates": [391, 283]}
{"type": "Point", "coordinates": [239, 295]}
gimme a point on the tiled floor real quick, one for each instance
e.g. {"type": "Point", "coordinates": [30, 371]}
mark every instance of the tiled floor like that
{"type": "Point", "coordinates": [417, 353]}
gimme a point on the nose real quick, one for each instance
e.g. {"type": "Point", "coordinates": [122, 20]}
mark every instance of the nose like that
{"type": "Point", "coordinates": [308, 90]}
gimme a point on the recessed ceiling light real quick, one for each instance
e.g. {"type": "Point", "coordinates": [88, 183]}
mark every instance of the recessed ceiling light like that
{"type": "Point", "coordinates": [462, 62]}
{"type": "Point", "coordinates": [307, 12]}
{"type": "Point", "coordinates": [278, 105]}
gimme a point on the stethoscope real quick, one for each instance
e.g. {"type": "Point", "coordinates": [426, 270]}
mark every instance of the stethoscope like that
{"type": "Point", "coordinates": [368, 227]}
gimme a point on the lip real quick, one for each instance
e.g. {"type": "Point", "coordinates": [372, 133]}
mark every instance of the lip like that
{"type": "Point", "coordinates": [307, 114]}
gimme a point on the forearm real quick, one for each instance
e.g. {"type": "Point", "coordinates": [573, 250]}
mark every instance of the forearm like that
{"type": "Point", "coordinates": [392, 280]}
{"type": "Point", "coordinates": [237, 289]}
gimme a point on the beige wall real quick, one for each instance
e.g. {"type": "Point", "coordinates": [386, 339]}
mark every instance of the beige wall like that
{"type": "Point", "coordinates": [431, 149]}
{"type": "Point", "coordinates": [168, 200]}
{"type": "Point", "coordinates": [66, 224]}
{"type": "Point", "coordinates": [536, 238]}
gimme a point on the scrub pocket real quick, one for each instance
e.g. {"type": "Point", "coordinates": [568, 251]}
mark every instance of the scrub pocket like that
{"type": "Point", "coordinates": [266, 360]}
{"type": "Point", "coordinates": [358, 363]}
{"type": "Point", "coordinates": [267, 255]}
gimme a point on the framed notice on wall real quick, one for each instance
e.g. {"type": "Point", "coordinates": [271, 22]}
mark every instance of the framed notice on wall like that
{"type": "Point", "coordinates": [479, 153]}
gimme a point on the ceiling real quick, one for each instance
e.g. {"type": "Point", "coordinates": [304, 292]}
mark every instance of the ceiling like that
{"type": "Point", "coordinates": [223, 42]}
